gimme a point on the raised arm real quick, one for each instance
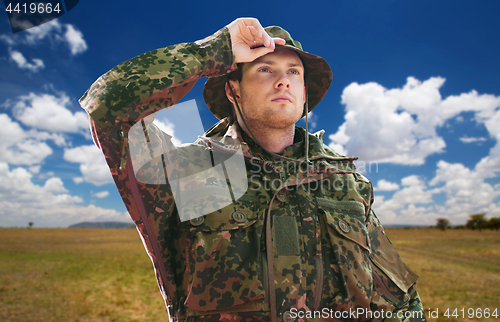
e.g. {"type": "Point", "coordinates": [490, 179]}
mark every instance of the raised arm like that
{"type": "Point", "coordinates": [149, 82]}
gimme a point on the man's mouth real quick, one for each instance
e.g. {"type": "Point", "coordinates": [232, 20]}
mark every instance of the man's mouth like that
{"type": "Point", "coordinates": [282, 99]}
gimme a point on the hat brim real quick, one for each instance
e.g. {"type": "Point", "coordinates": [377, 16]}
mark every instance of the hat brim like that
{"type": "Point", "coordinates": [318, 77]}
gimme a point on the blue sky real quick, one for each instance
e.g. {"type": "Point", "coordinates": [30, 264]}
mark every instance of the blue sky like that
{"type": "Point", "coordinates": [415, 95]}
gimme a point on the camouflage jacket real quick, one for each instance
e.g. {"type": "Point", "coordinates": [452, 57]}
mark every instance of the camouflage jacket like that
{"type": "Point", "coordinates": [308, 248]}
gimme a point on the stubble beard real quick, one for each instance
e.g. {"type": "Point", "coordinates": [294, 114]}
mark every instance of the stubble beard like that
{"type": "Point", "coordinates": [264, 119]}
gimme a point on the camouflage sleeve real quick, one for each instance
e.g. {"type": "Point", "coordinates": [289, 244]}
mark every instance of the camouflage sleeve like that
{"type": "Point", "coordinates": [155, 80]}
{"type": "Point", "coordinates": [413, 313]}
{"type": "Point", "coordinates": [394, 281]}
{"type": "Point", "coordinates": [415, 307]}
{"type": "Point", "coordinates": [131, 91]}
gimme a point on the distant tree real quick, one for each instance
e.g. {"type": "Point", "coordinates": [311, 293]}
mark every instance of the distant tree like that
{"type": "Point", "coordinates": [30, 224]}
{"type": "Point", "coordinates": [476, 221]}
{"type": "Point", "coordinates": [442, 223]}
{"type": "Point", "coordinates": [494, 223]}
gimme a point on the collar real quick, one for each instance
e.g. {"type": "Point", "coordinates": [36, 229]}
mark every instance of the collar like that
{"type": "Point", "coordinates": [229, 133]}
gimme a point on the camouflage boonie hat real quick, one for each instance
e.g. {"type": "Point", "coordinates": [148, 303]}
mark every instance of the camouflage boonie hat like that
{"type": "Point", "coordinates": [318, 77]}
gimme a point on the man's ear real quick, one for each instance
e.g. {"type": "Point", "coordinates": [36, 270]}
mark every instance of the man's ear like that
{"type": "Point", "coordinates": [305, 94]}
{"type": "Point", "coordinates": [236, 90]}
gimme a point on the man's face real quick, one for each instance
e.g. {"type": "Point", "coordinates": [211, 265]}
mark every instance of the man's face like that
{"type": "Point", "coordinates": [271, 93]}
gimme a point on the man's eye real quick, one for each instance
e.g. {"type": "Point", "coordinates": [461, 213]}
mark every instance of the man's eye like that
{"type": "Point", "coordinates": [294, 71]}
{"type": "Point", "coordinates": [264, 69]}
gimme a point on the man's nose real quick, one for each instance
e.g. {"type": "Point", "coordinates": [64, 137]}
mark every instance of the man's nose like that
{"type": "Point", "coordinates": [283, 81]}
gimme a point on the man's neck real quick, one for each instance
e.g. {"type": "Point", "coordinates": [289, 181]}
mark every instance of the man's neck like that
{"type": "Point", "coordinates": [274, 140]}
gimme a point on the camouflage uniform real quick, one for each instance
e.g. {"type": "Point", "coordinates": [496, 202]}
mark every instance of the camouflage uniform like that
{"type": "Point", "coordinates": [311, 242]}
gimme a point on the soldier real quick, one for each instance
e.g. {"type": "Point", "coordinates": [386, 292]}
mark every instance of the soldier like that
{"type": "Point", "coordinates": [308, 247]}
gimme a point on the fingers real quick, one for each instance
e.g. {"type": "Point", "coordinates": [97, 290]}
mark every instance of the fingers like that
{"type": "Point", "coordinates": [261, 36]}
{"type": "Point", "coordinates": [249, 40]}
{"type": "Point", "coordinates": [279, 41]}
{"type": "Point", "coordinates": [251, 31]}
{"type": "Point", "coordinates": [263, 39]}
{"type": "Point", "coordinates": [256, 29]}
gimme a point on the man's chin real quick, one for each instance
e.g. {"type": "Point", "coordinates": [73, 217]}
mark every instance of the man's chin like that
{"type": "Point", "coordinates": [281, 121]}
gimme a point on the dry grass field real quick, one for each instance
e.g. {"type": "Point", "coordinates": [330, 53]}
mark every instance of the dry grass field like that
{"type": "Point", "coordinates": [458, 269]}
{"type": "Point", "coordinates": [105, 275]}
{"type": "Point", "coordinates": [76, 275]}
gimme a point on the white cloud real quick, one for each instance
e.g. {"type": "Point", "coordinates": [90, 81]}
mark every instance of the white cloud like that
{"type": "Point", "coordinates": [101, 194]}
{"type": "Point", "coordinates": [412, 205]}
{"type": "Point", "coordinates": [34, 169]}
{"type": "Point", "coordinates": [51, 32]}
{"type": "Point", "coordinates": [466, 193]}
{"type": "Point", "coordinates": [49, 112]}
{"type": "Point", "coordinates": [54, 185]}
{"type": "Point", "coordinates": [47, 30]}
{"type": "Point", "coordinates": [490, 165]}
{"type": "Point", "coordinates": [18, 146]}
{"type": "Point", "coordinates": [312, 120]}
{"type": "Point", "coordinates": [167, 127]}
{"type": "Point", "coordinates": [466, 189]}
{"type": "Point", "coordinates": [384, 185]}
{"type": "Point", "coordinates": [339, 140]}
{"type": "Point", "coordinates": [22, 63]}
{"type": "Point", "coordinates": [466, 139]}
{"type": "Point", "coordinates": [78, 180]}
{"type": "Point", "coordinates": [75, 40]}
{"type": "Point", "coordinates": [22, 201]}
{"type": "Point", "coordinates": [9, 40]}
{"type": "Point", "coordinates": [414, 192]}
{"type": "Point", "coordinates": [93, 165]}
{"type": "Point", "coordinates": [16, 187]}
{"type": "Point", "coordinates": [339, 148]}
{"type": "Point", "coordinates": [420, 216]}
{"type": "Point", "coordinates": [399, 125]}
{"type": "Point", "coordinates": [57, 138]}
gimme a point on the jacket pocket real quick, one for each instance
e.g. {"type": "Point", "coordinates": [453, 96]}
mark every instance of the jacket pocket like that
{"type": "Point", "coordinates": [392, 278]}
{"type": "Point", "coordinates": [347, 272]}
{"type": "Point", "coordinates": [347, 219]}
{"type": "Point", "coordinates": [225, 258]}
